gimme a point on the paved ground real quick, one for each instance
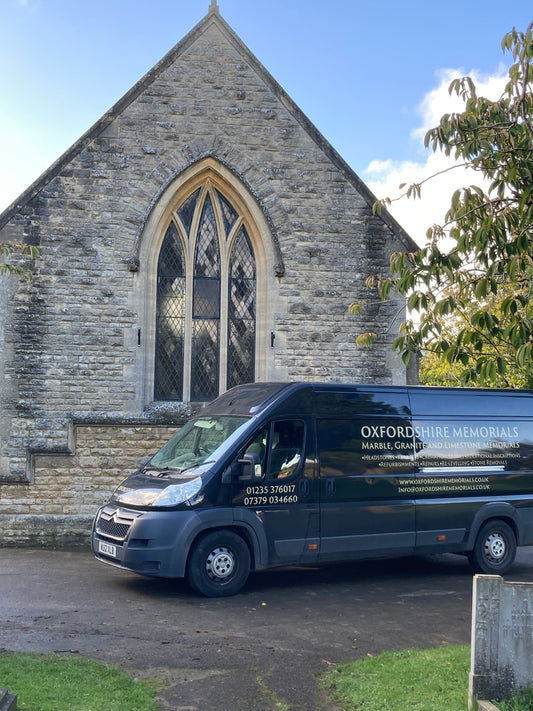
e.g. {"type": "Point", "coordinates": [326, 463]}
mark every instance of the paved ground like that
{"type": "Point", "coordinates": [262, 649]}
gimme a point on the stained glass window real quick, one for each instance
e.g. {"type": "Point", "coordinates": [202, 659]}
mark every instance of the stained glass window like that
{"type": "Point", "coordinates": [170, 313]}
{"type": "Point", "coordinates": [242, 297]}
{"type": "Point", "coordinates": [192, 364]}
{"type": "Point", "coordinates": [206, 309]}
{"type": "Point", "coordinates": [229, 214]}
{"type": "Point", "coordinates": [186, 211]}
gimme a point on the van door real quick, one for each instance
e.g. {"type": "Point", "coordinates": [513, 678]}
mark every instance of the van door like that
{"type": "Point", "coordinates": [283, 492]}
{"type": "Point", "coordinates": [365, 454]}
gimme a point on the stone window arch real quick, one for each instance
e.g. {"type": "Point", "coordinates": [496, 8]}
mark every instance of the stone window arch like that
{"type": "Point", "coordinates": [249, 256]}
{"type": "Point", "coordinates": [206, 298]}
{"type": "Point", "coordinates": [206, 195]}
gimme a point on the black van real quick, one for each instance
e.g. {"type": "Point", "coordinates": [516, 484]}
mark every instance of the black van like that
{"type": "Point", "coordinates": [273, 474]}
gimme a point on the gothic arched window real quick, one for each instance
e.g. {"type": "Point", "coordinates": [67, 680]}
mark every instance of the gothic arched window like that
{"type": "Point", "coordinates": [206, 300]}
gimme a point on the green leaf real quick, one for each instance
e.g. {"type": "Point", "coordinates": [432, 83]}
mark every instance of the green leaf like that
{"type": "Point", "coordinates": [481, 289]}
{"type": "Point", "coordinates": [366, 339]}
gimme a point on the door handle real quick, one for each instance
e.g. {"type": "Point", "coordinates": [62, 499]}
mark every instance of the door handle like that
{"type": "Point", "coordinates": [304, 487]}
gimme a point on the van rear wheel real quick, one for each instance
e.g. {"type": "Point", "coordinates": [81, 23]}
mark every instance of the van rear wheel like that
{"type": "Point", "coordinates": [494, 550]}
{"type": "Point", "coordinates": [219, 564]}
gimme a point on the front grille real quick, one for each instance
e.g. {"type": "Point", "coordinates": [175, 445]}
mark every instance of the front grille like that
{"type": "Point", "coordinates": [114, 523]}
{"type": "Point", "coordinates": [113, 529]}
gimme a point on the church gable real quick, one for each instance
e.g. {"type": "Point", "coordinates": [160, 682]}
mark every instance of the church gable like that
{"type": "Point", "coordinates": [201, 234]}
{"type": "Point", "coordinates": [211, 75]}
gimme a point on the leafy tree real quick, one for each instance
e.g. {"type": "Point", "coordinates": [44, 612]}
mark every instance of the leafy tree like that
{"type": "Point", "coordinates": [434, 369]}
{"type": "Point", "coordinates": [7, 249]}
{"type": "Point", "coordinates": [483, 284]}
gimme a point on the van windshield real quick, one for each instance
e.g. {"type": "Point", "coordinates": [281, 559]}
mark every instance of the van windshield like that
{"type": "Point", "coordinates": [197, 442]}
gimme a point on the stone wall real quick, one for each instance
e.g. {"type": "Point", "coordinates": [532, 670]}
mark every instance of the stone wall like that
{"type": "Point", "coordinates": [60, 503]}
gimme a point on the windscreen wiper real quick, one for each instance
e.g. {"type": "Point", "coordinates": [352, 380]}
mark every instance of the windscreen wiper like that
{"type": "Point", "coordinates": [158, 471]}
{"type": "Point", "coordinates": [163, 471]}
{"type": "Point", "coordinates": [198, 464]}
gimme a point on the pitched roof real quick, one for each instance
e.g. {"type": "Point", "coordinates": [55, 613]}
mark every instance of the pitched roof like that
{"type": "Point", "coordinates": [213, 17]}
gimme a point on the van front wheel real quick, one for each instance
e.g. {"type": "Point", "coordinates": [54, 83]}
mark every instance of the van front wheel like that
{"type": "Point", "coordinates": [219, 564]}
{"type": "Point", "coordinates": [494, 550]}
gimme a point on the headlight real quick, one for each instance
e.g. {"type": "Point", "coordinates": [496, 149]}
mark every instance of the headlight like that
{"type": "Point", "coordinates": [170, 496]}
{"type": "Point", "coordinates": [178, 493]}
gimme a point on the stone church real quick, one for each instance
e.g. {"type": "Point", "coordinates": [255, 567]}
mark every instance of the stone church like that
{"type": "Point", "coordinates": [201, 234]}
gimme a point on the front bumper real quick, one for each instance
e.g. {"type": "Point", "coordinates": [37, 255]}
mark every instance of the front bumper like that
{"type": "Point", "coordinates": [150, 543]}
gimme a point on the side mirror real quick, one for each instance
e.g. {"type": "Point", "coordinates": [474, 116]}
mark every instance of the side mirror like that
{"type": "Point", "coordinates": [251, 469]}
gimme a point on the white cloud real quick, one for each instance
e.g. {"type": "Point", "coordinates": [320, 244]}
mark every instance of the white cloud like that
{"type": "Point", "coordinates": [439, 101]}
{"type": "Point", "coordinates": [384, 177]}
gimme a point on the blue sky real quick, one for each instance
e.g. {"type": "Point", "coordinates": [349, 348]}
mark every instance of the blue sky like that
{"type": "Point", "coordinates": [359, 69]}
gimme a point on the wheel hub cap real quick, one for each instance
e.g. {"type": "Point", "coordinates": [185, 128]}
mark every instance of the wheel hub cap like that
{"type": "Point", "coordinates": [495, 547]}
{"type": "Point", "coordinates": [220, 563]}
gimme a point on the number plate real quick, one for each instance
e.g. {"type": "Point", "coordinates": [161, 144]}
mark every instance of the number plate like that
{"type": "Point", "coordinates": [107, 549]}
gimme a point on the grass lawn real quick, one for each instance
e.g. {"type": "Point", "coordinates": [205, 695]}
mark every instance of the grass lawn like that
{"type": "Point", "coordinates": [418, 680]}
{"type": "Point", "coordinates": [50, 682]}
{"type": "Point", "coordinates": [523, 701]}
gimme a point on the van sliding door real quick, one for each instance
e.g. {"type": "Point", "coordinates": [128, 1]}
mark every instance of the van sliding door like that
{"type": "Point", "coordinates": [365, 452]}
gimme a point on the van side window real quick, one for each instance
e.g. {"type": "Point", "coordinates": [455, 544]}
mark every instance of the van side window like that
{"type": "Point", "coordinates": [286, 448]}
{"type": "Point", "coordinates": [258, 446]}
{"type": "Point", "coordinates": [279, 448]}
